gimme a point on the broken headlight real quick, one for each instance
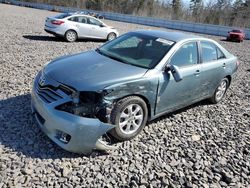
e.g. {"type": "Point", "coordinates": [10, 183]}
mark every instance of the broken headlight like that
{"type": "Point", "coordinates": [86, 104]}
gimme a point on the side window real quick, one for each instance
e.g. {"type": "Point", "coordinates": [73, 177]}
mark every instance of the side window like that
{"type": "Point", "coordinates": [186, 55]}
{"type": "Point", "coordinates": [74, 19]}
{"type": "Point", "coordinates": [82, 19]}
{"type": "Point", "coordinates": [209, 51]}
{"type": "Point", "coordinates": [94, 22]}
{"type": "Point", "coordinates": [220, 54]}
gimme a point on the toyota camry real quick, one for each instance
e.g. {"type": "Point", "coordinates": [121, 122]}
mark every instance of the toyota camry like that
{"type": "Point", "coordinates": [82, 101]}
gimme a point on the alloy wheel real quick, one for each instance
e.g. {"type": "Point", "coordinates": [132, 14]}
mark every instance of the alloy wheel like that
{"type": "Point", "coordinates": [221, 90]}
{"type": "Point", "coordinates": [131, 119]}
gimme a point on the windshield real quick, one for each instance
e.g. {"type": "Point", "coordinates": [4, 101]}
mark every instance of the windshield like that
{"type": "Point", "coordinates": [137, 49]}
{"type": "Point", "coordinates": [237, 31]}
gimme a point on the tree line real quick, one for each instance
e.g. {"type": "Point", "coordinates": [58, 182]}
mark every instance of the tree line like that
{"type": "Point", "coordinates": [220, 12]}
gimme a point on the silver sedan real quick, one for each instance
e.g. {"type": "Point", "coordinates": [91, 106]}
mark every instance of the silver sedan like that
{"type": "Point", "coordinates": [74, 26]}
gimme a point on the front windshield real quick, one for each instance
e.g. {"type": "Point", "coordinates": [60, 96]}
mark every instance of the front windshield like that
{"type": "Point", "coordinates": [137, 49]}
{"type": "Point", "coordinates": [236, 31]}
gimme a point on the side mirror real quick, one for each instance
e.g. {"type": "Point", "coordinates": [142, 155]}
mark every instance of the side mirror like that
{"type": "Point", "coordinates": [175, 72]}
{"type": "Point", "coordinates": [102, 25]}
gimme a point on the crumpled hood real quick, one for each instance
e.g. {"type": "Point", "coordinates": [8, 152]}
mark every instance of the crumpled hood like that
{"type": "Point", "coordinates": [91, 71]}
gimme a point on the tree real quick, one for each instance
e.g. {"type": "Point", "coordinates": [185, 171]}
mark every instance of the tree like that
{"type": "Point", "coordinates": [196, 7]}
{"type": "Point", "coordinates": [241, 13]}
{"type": "Point", "coordinates": [176, 7]}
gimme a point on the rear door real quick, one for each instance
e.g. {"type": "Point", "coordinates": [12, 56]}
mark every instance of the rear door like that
{"type": "Point", "coordinates": [213, 67]}
{"type": "Point", "coordinates": [80, 22]}
{"type": "Point", "coordinates": [173, 95]}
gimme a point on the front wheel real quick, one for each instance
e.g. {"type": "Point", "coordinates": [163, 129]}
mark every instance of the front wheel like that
{"type": "Point", "coordinates": [130, 116]}
{"type": "Point", "coordinates": [70, 36]}
{"type": "Point", "coordinates": [111, 36]}
{"type": "Point", "coordinates": [220, 91]}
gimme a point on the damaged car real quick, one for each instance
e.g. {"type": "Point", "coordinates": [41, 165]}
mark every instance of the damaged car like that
{"type": "Point", "coordinates": [82, 101]}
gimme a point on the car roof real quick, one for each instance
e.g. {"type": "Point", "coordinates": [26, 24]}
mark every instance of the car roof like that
{"type": "Point", "coordinates": [169, 35]}
{"type": "Point", "coordinates": [241, 30]}
{"type": "Point", "coordinates": [68, 14]}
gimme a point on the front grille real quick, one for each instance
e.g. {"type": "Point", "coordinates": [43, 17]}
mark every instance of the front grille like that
{"type": "Point", "coordinates": [48, 94]}
{"type": "Point", "coordinates": [234, 36]}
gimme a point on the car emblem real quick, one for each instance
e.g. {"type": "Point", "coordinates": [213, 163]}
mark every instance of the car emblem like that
{"type": "Point", "coordinates": [42, 80]}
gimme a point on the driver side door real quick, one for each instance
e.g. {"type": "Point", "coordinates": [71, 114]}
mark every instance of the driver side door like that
{"type": "Point", "coordinates": [173, 95]}
{"type": "Point", "coordinates": [96, 29]}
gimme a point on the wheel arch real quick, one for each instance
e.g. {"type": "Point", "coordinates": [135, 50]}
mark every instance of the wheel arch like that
{"type": "Point", "coordinates": [71, 30]}
{"type": "Point", "coordinates": [229, 77]}
{"type": "Point", "coordinates": [110, 32]}
{"type": "Point", "coordinates": [144, 98]}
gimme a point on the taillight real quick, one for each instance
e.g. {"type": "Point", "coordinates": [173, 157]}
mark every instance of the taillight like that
{"type": "Point", "coordinates": [237, 63]}
{"type": "Point", "coordinates": [57, 22]}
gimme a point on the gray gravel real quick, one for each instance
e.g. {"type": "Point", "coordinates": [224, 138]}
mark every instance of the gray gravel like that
{"type": "Point", "coordinates": [200, 146]}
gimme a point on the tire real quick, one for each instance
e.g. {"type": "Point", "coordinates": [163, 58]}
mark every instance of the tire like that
{"type": "Point", "coordinates": [130, 115]}
{"type": "Point", "coordinates": [111, 36]}
{"type": "Point", "coordinates": [220, 91]}
{"type": "Point", "coordinates": [70, 36]}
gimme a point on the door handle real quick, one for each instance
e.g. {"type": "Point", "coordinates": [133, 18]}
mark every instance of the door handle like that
{"type": "Point", "coordinates": [224, 65]}
{"type": "Point", "coordinates": [197, 73]}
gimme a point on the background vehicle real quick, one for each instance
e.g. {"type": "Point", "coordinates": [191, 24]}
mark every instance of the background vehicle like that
{"type": "Point", "coordinates": [236, 35]}
{"type": "Point", "coordinates": [73, 26]}
{"type": "Point", "coordinates": [128, 81]}
{"type": "Point", "coordinates": [94, 14]}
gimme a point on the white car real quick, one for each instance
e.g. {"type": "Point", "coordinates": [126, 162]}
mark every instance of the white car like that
{"type": "Point", "coordinates": [73, 26]}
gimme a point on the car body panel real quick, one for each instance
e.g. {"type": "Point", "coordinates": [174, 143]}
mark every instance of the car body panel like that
{"type": "Point", "coordinates": [171, 95]}
{"type": "Point", "coordinates": [92, 71]}
{"type": "Point", "coordinates": [82, 66]}
{"type": "Point", "coordinates": [84, 132]}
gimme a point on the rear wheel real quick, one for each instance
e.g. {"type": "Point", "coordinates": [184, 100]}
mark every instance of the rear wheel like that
{"type": "Point", "coordinates": [220, 91]}
{"type": "Point", "coordinates": [130, 116]}
{"type": "Point", "coordinates": [111, 36]}
{"type": "Point", "coordinates": [70, 36]}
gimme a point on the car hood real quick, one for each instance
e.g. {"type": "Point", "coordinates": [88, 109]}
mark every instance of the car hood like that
{"type": "Point", "coordinates": [91, 71]}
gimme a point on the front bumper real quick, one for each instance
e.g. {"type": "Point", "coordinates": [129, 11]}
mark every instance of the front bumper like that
{"type": "Point", "coordinates": [83, 133]}
{"type": "Point", "coordinates": [234, 38]}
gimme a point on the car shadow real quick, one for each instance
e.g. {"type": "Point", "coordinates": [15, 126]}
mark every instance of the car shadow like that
{"type": "Point", "coordinates": [43, 38]}
{"type": "Point", "coordinates": [20, 133]}
{"type": "Point", "coordinates": [57, 39]}
{"type": "Point", "coordinates": [225, 40]}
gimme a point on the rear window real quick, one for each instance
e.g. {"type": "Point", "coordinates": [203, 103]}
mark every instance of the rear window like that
{"type": "Point", "coordinates": [211, 52]}
{"type": "Point", "coordinates": [61, 16]}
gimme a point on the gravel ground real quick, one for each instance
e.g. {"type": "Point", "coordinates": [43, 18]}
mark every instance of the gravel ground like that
{"type": "Point", "coordinates": [200, 146]}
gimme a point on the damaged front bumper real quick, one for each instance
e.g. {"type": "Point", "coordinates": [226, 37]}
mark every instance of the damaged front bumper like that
{"type": "Point", "coordinates": [71, 132]}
